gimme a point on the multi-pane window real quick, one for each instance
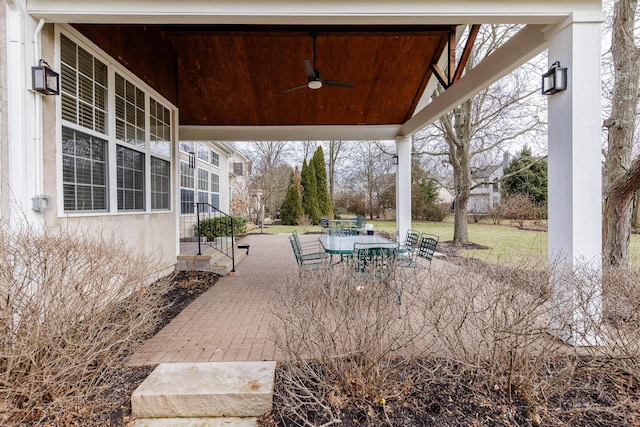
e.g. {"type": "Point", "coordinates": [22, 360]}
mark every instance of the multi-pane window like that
{"type": "Point", "coordinates": [130, 113]}
{"type": "Point", "coordinates": [142, 126]}
{"type": "Point", "coordinates": [215, 159]}
{"type": "Point", "coordinates": [203, 187]}
{"type": "Point", "coordinates": [84, 171]}
{"type": "Point", "coordinates": [187, 192]}
{"type": "Point", "coordinates": [84, 87]}
{"type": "Point", "coordinates": [203, 153]}
{"type": "Point", "coordinates": [160, 183]}
{"type": "Point", "coordinates": [159, 128]}
{"type": "Point", "coordinates": [130, 173]}
{"type": "Point", "coordinates": [215, 190]}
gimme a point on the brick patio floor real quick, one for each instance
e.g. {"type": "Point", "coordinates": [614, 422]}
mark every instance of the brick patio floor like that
{"type": "Point", "coordinates": [231, 321]}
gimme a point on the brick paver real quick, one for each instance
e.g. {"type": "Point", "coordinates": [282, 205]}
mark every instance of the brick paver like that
{"type": "Point", "coordinates": [232, 320]}
{"type": "Point", "coordinates": [229, 322]}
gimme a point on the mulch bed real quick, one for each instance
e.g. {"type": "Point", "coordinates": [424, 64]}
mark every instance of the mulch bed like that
{"type": "Point", "coordinates": [447, 399]}
{"type": "Point", "coordinates": [112, 404]}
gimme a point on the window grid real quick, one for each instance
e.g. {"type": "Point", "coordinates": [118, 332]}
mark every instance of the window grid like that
{"type": "Point", "coordinates": [160, 184]}
{"type": "Point", "coordinates": [83, 88]}
{"type": "Point", "coordinates": [160, 128]}
{"type": "Point", "coordinates": [85, 165]}
{"type": "Point", "coordinates": [84, 171]}
{"type": "Point", "coordinates": [130, 173]}
{"type": "Point", "coordinates": [215, 190]}
{"type": "Point", "coordinates": [130, 114]}
{"type": "Point", "coordinates": [187, 192]}
{"type": "Point", "coordinates": [215, 159]}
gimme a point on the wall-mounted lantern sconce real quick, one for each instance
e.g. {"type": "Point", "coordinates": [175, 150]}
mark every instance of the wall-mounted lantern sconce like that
{"type": "Point", "coordinates": [192, 159]}
{"type": "Point", "coordinates": [554, 80]}
{"type": "Point", "coordinates": [44, 79]}
{"type": "Point", "coordinates": [395, 159]}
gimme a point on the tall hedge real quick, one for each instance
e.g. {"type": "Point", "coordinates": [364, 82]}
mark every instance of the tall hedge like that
{"type": "Point", "coordinates": [310, 192]}
{"type": "Point", "coordinates": [291, 210]}
{"type": "Point", "coordinates": [324, 198]}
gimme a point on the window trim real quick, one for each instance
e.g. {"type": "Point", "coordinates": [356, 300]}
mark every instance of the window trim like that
{"type": "Point", "coordinates": [113, 67]}
{"type": "Point", "coordinates": [211, 157]}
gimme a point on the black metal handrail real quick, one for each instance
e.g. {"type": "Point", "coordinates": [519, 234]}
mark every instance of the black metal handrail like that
{"type": "Point", "coordinates": [218, 229]}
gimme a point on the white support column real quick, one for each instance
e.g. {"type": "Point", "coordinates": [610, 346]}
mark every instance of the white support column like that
{"type": "Point", "coordinates": [575, 195]}
{"type": "Point", "coordinates": [20, 175]}
{"type": "Point", "coordinates": [403, 187]}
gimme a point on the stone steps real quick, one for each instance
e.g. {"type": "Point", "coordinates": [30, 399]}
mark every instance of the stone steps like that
{"type": "Point", "coordinates": [210, 260]}
{"type": "Point", "coordinates": [232, 394]}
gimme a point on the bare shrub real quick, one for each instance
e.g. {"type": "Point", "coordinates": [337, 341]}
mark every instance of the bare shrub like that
{"type": "Point", "coordinates": [518, 207]}
{"type": "Point", "coordinates": [344, 343]}
{"type": "Point", "coordinates": [491, 321]}
{"type": "Point", "coordinates": [490, 330]}
{"type": "Point", "coordinates": [72, 305]}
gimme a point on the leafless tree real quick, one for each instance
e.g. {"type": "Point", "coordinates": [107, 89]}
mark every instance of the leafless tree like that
{"type": "Point", "coordinates": [505, 113]}
{"type": "Point", "coordinates": [270, 172]}
{"type": "Point", "coordinates": [368, 168]}
{"type": "Point", "coordinates": [622, 166]}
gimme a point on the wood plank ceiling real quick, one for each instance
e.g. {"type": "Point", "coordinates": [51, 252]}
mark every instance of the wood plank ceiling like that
{"type": "Point", "coordinates": [237, 75]}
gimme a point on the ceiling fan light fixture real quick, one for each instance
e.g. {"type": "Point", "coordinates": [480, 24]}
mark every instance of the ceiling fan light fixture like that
{"type": "Point", "coordinates": [314, 84]}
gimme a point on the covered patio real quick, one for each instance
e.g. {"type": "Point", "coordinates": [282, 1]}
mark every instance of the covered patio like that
{"type": "Point", "coordinates": [217, 63]}
{"type": "Point", "coordinates": [232, 321]}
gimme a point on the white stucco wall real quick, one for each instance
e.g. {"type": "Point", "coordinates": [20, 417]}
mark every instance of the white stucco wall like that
{"type": "Point", "coordinates": [153, 233]}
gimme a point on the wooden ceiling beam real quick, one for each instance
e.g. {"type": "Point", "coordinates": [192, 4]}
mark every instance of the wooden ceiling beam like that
{"type": "Point", "coordinates": [454, 71]}
{"type": "Point", "coordinates": [466, 53]}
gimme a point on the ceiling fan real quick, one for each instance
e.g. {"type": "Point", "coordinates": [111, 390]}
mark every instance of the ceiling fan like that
{"type": "Point", "coordinates": [313, 75]}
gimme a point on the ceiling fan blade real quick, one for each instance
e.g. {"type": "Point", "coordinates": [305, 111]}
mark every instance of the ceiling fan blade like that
{"type": "Point", "coordinates": [295, 88]}
{"type": "Point", "coordinates": [337, 83]}
{"type": "Point", "coordinates": [311, 72]}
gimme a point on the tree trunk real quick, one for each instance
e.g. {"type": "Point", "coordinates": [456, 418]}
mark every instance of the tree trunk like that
{"type": "Point", "coordinates": [458, 136]}
{"type": "Point", "coordinates": [620, 177]}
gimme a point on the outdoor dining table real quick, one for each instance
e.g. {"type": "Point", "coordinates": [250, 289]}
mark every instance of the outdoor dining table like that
{"type": "Point", "coordinates": [343, 245]}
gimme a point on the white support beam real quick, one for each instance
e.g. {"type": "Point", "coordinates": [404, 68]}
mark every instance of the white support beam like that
{"type": "Point", "coordinates": [575, 189]}
{"type": "Point", "coordinates": [529, 42]}
{"type": "Point", "coordinates": [289, 133]}
{"type": "Point", "coordinates": [403, 187]}
{"type": "Point", "coordinates": [316, 12]}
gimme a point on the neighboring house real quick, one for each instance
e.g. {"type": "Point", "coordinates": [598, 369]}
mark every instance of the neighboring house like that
{"type": "Point", "coordinates": [486, 195]}
{"type": "Point", "coordinates": [239, 180]}
{"type": "Point", "coordinates": [205, 172]}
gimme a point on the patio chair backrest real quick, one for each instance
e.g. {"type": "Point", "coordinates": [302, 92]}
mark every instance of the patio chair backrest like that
{"type": "Point", "coordinates": [427, 247]}
{"type": "Point", "coordinates": [375, 259]}
{"type": "Point", "coordinates": [360, 222]}
{"type": "Point", "coordinates": [324, 222]}
{"type": "Point", "coordinates": [296, 249]}
{"type": "Point", "coordinates": [412, 239]}
{"type": "Point", "coordinates": [343, 231]}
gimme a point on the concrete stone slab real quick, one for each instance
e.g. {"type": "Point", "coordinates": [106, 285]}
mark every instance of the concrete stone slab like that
{"type": "Point", "coordinates": [211, 389]}
{"type": "Point", "coordinates": [196, 422]}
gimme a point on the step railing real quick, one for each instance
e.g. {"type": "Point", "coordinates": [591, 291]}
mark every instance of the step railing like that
{"type": "Point", "coordinates": [218, 228]}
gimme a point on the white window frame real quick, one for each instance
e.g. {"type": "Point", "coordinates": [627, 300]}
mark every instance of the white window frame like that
{"type": "Point", "coordinates": [215, 195]}
{"type": "Point", "coordinates": [203, 152]}
{"type": "Point", "coordinates": [184, 166]}
{"type": "Point", "coordinates": [109, 133]}
{"type": "Point", "coordinates": [214, 157]}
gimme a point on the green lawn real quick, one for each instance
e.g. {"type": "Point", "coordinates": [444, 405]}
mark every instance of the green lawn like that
{"type": "Point", "coordinates": [507, 244]}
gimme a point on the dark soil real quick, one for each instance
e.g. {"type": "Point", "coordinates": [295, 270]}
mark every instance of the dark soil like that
{"type": "Point", "coordinates": [112, 404]}
{"type": "Point", "coordinates": [435, 393]}
{"type": "Point", "coordinates": [448, 397]}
